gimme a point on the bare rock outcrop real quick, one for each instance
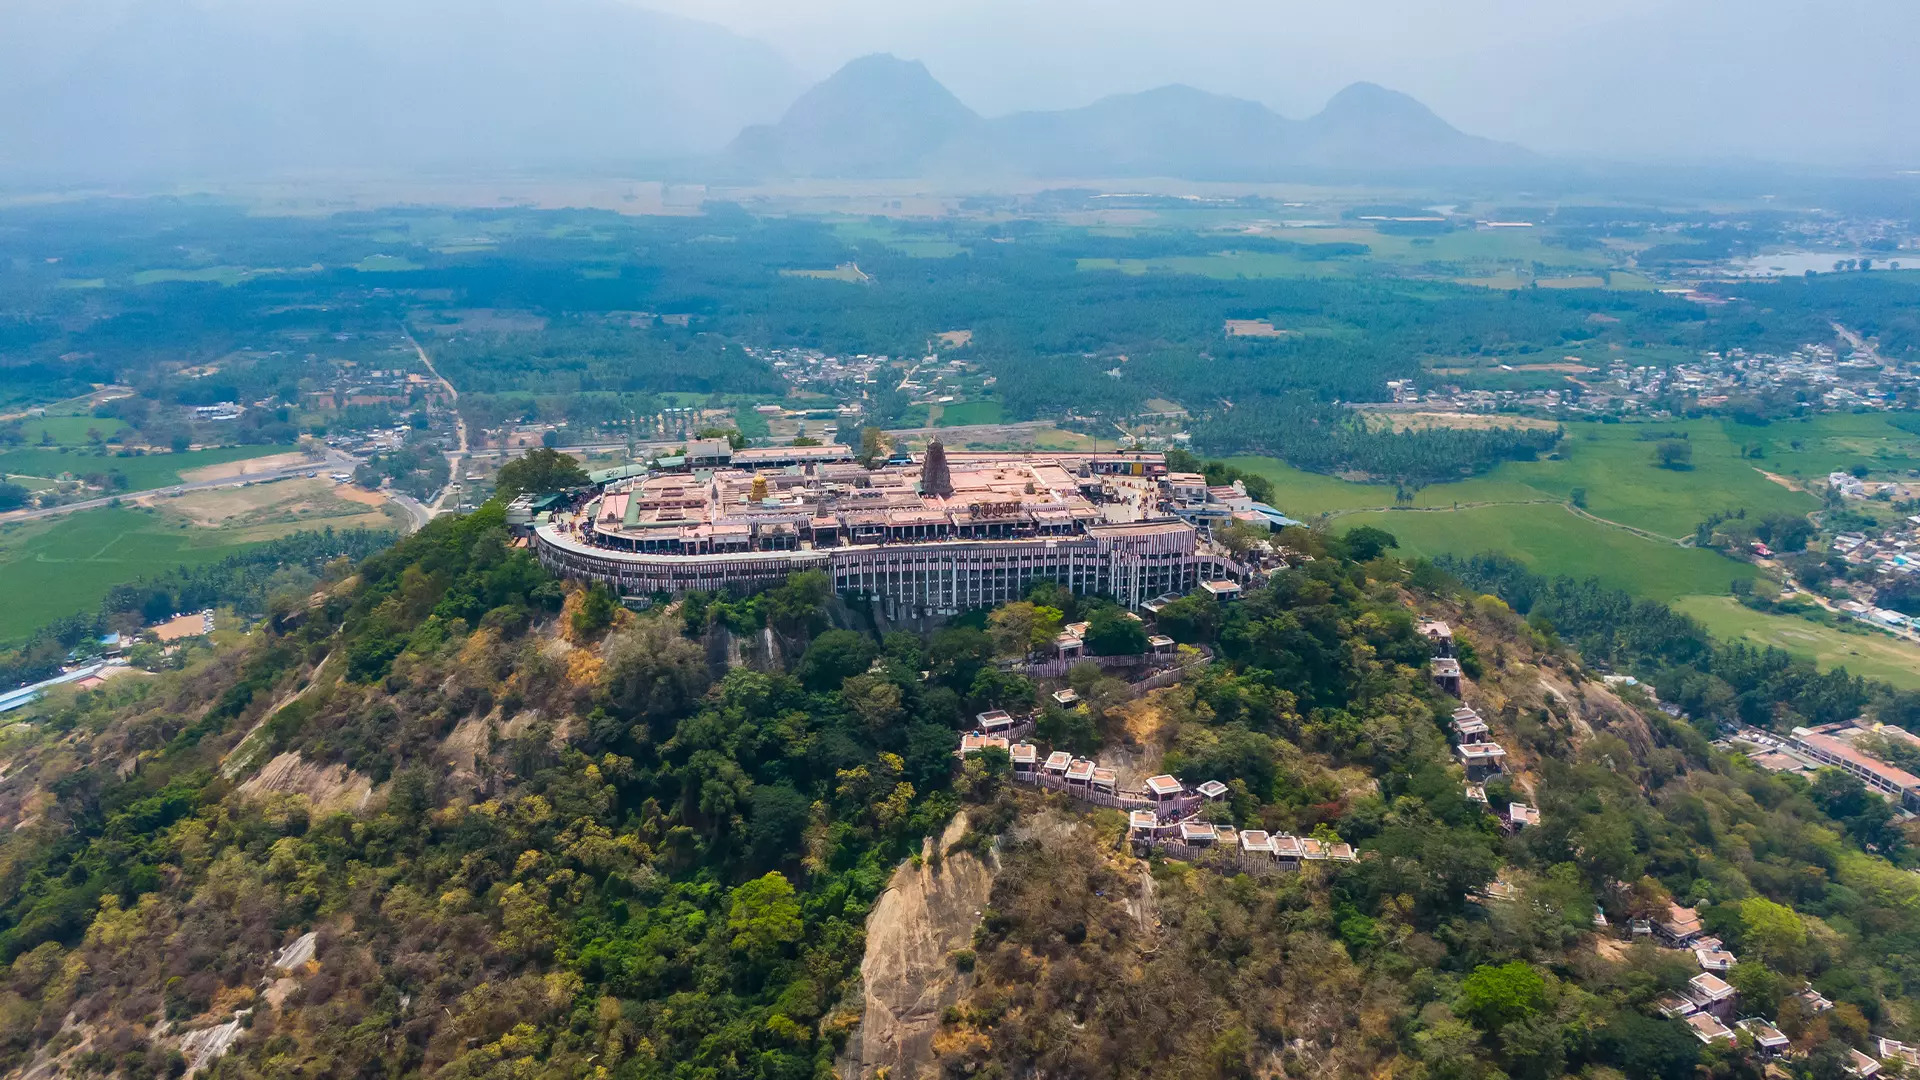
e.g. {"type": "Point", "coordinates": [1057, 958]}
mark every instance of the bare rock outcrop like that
{"type": "Point", "coordinates": [928, 913]}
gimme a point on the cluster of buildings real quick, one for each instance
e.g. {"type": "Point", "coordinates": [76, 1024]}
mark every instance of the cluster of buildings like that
{"type": "Point", "coordinates": [1861, 748]}
{"type": "Point", "coordinates": [217, 412]}
{"type": "Point", "coordinates": [1816, 372]}
{"type": "Point", "coordinates": [1817, 375]}
{"type": "Point", "coordinates": [392, 388]}
{"type": "Point", "coordinates": [1892, 551]}
{"type": "Point", "coordinates": [1709, 1006]}
{"type": "Point", "coordinates": [919, 538]}
{"type": "Point", "coordinates": [369, 441]}
{"type": "Point", "coordinates": [813, 369]}
{"type": "Point", "coordinates": [1164, 814]}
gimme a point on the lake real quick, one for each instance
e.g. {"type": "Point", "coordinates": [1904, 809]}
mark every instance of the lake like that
{"type": "Point", "coordinates": [1796, 263]}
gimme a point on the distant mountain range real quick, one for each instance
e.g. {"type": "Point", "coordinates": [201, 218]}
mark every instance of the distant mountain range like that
{"type": "Point", "coordinates": [880, 116]}
{"type": "Point", "coordinates": [240, 89]}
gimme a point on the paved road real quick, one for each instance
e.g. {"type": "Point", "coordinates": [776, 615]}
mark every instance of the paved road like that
{"type": "Point", "coordinates": [459, 425]}
{"type": "Point", "coordinates": [333, 461]}
{"type": "Point", "coordinates": [417, 512]}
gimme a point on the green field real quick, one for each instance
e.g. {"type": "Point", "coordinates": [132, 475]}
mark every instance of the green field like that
{"type": "Point", "coordinates": [1614, 464]}
{"type": "Point", "coordinates": [847, 272]}
{"type": "Point", "coordinates": [144, 472]}
{"type": "Point", "coordinates": [1520, 507]}
{"type": "Point", "coordinates": [970, 412]}
{"type": "Point", "coordinates": [1494, 258]}
{"type": "Point", "coordinates": [1865, 652]}
{"type": "Point", "coordinates": [751, 424]}
{"type": "Point", "coordinates": [1829, 444]}
{"type": "Point", "coordinates": [63, 566]}
{"type": "Point", "coordinates": [67, 430]}
{"type": "Point", "coordinates": [914, 244]}
{"type": "Point", "coordinates": [1552, 540]}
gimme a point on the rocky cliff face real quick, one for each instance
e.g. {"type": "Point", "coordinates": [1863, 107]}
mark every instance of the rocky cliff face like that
{"type": "Point", "coordinates": [927, 914]}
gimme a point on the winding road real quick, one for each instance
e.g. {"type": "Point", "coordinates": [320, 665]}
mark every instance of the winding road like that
{"type": "Point", "coordinates": [458, 457]}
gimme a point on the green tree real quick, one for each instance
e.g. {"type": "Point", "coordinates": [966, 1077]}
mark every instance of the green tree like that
{"type": "Point", "coordinates": [732, 435]}
{"type": "Point", "coordinates": [1673, 454]}
{"type": "Point", "coordinates": [833, 657]}
{"type": "Point", "coordinates": [1761, 988]}
{"type": "Point", "coordinates": [595, 613]}
{"type": "Point", "coordinates": [1364, 543]}
{"type": "Point", "coordinates": [652, 672]}
{"type": "Point", "coordinates": [1494, 997]}
{"type": "Point", "coordinates": [1641, 1046]}
{"type": "Point", "coordinates": [1111, 633]}
{"type": "Point", "coordinates": [539, 472]}
{"type": "Point", "coordinates": [874, 447]}
{"type": "Point", "coordinates": [1021, 627]}
{"type": "Point", "coordinates": [764, 918]}
{"type": "Point", "coordinates": [1191, 620]}
{"type": "Point", "coordinates": [1773, 931]}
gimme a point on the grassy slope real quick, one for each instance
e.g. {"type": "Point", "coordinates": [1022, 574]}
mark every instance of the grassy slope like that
{"type": "Point", "coordinates": [1552, 540]}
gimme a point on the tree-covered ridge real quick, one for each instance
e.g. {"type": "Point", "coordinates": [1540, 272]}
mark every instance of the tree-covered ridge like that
{"type": "Point", "coordinates": [590, 847]}
{"type": "Point", "coordinates": [1403, 963]}
{"type": "Point", "coordinates": [537, 835]}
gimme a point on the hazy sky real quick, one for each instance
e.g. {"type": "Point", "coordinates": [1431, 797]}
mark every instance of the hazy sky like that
{"type": "Point", "coordinates": [1801, 80]}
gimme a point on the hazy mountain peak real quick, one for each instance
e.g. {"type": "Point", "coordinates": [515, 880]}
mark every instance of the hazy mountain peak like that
{"type": "Point", "coordinates": [878, 115]}
{"type": "Point", "coordinates": [883, 116]}
{"type": "Point", "coordinates": [882, 84]}
{"type": "Point", "coordinates": [1371, 103]}
{"type": "Point", "coordinates": [1369, 126]}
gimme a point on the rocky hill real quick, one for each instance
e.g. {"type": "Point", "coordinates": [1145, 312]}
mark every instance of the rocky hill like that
{"type": "Point", "coordinates": [455, 818]}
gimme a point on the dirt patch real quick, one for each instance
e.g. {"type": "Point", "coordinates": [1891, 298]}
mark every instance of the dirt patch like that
{"type": "Point", "coordinates": [1787, 482]}
{"type": "Point", "coordinates": [360, 495]}
{"type": "Point", "coordinates": [181, 627]}
{"type": "Point", "coordinates": [928, 912]}
{"type": "Point", "coordinates": [1611, 949]}
{"type": "Point", "coordinates": [249, 467]}
{"type": "Point", "coordinates": [285, 505]}
{"type": "Point", "coordinates": [1254, 328]}
{"type": "Point", "coordinates": [956, 339]}
{"type": "Point", "coordinates": [327, 787]}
